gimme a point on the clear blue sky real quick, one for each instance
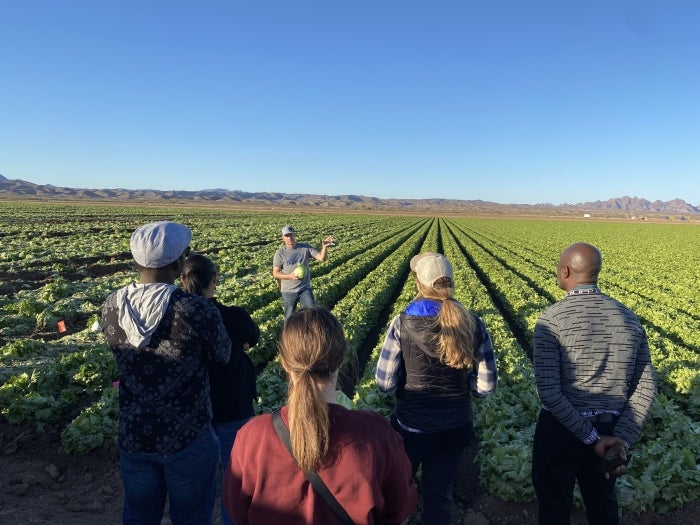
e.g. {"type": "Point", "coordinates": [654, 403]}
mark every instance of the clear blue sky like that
{"type": "Point", "coordinates": [506, 101]}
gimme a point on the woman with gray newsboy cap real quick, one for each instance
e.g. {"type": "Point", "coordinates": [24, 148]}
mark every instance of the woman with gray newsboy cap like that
{"type": "Point", "coordinates": [162, 339]}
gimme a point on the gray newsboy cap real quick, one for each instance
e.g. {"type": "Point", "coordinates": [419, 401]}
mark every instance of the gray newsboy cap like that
{"type": "Point", "coordinates": [158, 244]}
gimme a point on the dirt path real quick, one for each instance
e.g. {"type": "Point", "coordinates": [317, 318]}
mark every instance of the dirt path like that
{"type": "Point", "coordinates": [39, 484]}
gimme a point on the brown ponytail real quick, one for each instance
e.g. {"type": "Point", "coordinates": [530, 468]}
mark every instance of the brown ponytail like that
{"type": "Point", "coordinates": [312, 347]}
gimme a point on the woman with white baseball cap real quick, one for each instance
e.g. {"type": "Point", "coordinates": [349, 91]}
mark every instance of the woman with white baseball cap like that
{"type": "Point", "coordinates": [436, 355]}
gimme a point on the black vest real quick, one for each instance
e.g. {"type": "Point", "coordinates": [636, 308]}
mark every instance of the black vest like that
{"type": "Point", "coordinates": [434, 396]}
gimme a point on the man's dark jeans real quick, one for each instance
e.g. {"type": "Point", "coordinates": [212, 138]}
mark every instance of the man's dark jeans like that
{"type": "Point", "coordinates": [559, 459]}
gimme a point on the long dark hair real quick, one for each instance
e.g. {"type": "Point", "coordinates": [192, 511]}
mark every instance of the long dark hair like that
{"type": "Point", "coordinates": [197, 273]}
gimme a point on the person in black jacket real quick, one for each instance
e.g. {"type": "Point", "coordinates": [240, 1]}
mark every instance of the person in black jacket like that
{"type": "Point", "coordinates": [232, 384]}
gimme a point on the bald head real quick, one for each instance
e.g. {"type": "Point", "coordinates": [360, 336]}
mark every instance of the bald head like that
{"type": "Point", "coordinates": [579, 264]}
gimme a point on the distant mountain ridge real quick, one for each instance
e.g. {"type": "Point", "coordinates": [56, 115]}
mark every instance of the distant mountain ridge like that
{"type": "Point", "coordinates": [19, 189]}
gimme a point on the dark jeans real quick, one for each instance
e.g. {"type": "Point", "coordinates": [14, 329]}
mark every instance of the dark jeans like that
{"type": "Point", "coordinates": [187, 477]}
{"type": "Point", "coordinates": [438, 454]}
{"type": "Point", "coordinates": [559, 459]}
{"type": "Point", "coordinates": [226, 432]}
{"type": "Point", "coordinates": [289, 301]}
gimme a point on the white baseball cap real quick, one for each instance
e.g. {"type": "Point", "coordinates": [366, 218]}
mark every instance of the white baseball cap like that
{"type": "Point", "coordinates": [430, 267]}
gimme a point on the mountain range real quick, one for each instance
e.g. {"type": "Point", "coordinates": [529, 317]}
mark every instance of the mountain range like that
{"type": "Point", "coordinates": [12, 189]}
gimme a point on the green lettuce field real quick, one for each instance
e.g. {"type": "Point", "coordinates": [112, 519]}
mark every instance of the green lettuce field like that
{"type": "Point", "coordinates": [59, 262]}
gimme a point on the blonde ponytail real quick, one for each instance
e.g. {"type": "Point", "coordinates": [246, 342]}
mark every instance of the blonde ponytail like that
{"type": "Point", "coordinates": [457, 338]}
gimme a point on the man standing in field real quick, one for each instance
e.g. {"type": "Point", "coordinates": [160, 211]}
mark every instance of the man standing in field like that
{"type": "Point", "coordinates": [162, 339]}
{"type": "Point", "coordinates": [290, 267]}
{"type": "Point", "coordinates": [596, 384]}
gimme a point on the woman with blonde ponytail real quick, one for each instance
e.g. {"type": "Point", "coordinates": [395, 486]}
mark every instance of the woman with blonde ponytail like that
{"type": "Point", "coordinates": [356, 453]}
{"type": "Point", "coordinates": [436, 355]}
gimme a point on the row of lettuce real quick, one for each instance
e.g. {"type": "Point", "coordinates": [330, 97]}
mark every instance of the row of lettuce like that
{"type": "Point", "coordinates": [505, 273]}
{"type": "Point", "coordinates": [664, 473]}
{"type": "Point", "coordinates": [46, 374]}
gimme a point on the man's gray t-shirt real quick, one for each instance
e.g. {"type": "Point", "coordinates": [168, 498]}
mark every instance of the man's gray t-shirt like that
{"type": "Point", "coordinates": [287, 259]}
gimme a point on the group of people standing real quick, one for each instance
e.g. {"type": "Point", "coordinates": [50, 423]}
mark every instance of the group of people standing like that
{"type": "Point", "coordinates": [187, 387]}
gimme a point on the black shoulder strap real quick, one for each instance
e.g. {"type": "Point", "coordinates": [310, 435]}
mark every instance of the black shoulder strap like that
{"type": "Point", "coordinates": [316, 482]}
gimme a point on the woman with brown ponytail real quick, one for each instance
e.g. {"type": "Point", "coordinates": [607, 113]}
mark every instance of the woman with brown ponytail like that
{"type": "Point", "coordinates": [436, 355]}
{"type": "Point", "coordinates": [356, 453]}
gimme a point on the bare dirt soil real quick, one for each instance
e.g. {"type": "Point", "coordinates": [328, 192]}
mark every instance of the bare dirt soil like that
{"type": "Point", "coordinates": [40, 484]}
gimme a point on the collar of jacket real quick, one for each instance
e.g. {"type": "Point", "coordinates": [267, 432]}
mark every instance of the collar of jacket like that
{"type": "Point", "coordinates": [424, 308]}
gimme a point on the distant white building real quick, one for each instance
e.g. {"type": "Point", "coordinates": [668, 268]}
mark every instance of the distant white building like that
{"type": "Point", "coordinates": [586, 215]}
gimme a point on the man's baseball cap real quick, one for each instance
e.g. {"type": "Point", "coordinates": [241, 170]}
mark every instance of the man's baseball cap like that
{"type": "Point", "coordinates": [158, 244]}
{"type": "Point", "coordinates": [287, 230]}
{"type": "Point", "coordinates": [430, 267]}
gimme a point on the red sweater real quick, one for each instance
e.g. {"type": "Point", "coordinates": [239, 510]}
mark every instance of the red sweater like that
{"type": "Point", "coordinates": [367, 471]}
